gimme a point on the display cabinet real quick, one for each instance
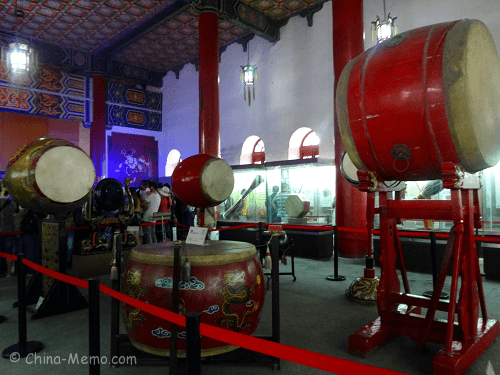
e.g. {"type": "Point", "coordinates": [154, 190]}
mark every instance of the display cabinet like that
{"type": "Point", "coordinates": [313, 179]}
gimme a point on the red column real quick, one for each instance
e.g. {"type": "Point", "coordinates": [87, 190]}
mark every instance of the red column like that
{"type": "Point", "coordinates": [98, 130]}
{"type": "Point", "coordinates": [350, 210]}
{"type": "Point", "coordinates": [208, 29]}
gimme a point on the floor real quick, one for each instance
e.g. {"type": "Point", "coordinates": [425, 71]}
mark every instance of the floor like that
{"type": "Point", "coordinates": [315, 315]}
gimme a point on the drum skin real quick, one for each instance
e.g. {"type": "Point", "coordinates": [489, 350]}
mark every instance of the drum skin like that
{"type": "Point", "coordinates": [422, 98]}
{"type": "Point", "coordinates": [203, 181]}
{"type": "Point", "coordinates": [27, 188]}
{"type": "Point", "coordinates": [226, 287]}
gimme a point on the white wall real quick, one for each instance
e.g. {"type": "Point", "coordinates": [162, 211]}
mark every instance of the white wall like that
{"type": "Point", "coordinates": [295, 80]}
{"type": "Point", "coordinates": [294, 89]}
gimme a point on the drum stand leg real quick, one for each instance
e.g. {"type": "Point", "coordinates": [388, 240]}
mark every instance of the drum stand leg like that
{"type": "Point", "coordinates": [464, 341]}
{"type": "Point", "coordinates": [57, 297]}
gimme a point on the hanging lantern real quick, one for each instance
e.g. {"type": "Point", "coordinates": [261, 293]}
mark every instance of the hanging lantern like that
{"type": "Point", "coordinates": [20, 57]}
{"type": "Point", "coordinates": [385, 29]}
{"type": "Point", "coordinates": [249, 77]}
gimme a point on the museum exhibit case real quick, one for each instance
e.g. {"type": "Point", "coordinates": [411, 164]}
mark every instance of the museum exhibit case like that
{"type": "Point", "coordinates": [310, 181]}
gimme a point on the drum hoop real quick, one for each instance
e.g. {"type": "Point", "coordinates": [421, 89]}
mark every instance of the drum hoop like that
{"type": "Point", "coordinates": [350, 180]}
{"type": "Point", "coordinates": [182, 353]}
{"type": "Point", "coordinates": [194, 260]}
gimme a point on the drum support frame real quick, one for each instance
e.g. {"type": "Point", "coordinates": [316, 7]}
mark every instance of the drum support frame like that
{"type": "Point", "coordinates": [58, 297]}
{"type": "Point", "coordinates": [400, 313]}
{"type": "Point", "coordinates": [121, 345]}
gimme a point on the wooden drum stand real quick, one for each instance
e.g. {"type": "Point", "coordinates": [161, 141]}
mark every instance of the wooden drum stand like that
{"type": "Point", "coordinates": [400, 313]}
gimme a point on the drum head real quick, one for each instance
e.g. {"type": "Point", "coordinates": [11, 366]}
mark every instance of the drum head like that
{"type": "Point", "coordinates": [348, 169]}
{"type": "Point", "coordinates": [64, 174]}
{"type": "Point", "coordinates": [216, 180]}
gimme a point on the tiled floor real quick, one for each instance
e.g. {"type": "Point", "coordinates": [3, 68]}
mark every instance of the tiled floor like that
{"type": "Point", "coordinates": [315, 315]}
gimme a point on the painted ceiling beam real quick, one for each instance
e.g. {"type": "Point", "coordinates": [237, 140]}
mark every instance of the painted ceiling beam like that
{"type": "Point", "coordinates": [170, 12]}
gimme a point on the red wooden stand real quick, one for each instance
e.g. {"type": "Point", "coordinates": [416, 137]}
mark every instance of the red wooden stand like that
{"type": "Point", "coordinates": [400, 313]}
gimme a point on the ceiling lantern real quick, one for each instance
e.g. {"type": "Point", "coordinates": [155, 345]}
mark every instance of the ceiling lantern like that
{"type": "Point", "coordinates": [384, 28]}
{"type": "Point", "coordinates": [20, 57]}
{"type": "Point", "coordinates": [249, 77]}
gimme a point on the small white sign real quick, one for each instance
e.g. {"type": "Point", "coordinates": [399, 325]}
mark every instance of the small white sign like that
{"type": "Point", "coordinates": [197, 235]}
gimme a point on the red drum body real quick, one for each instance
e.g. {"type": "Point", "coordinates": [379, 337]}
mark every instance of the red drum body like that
{"type": "Point", "coordinates": [226, 287]}
{"type": "Point", "coordinates": [203, 181]}
{"type": "Point", "coordinates": [424, 97]}
{"type": "Point", "coordinates": [50, 176]}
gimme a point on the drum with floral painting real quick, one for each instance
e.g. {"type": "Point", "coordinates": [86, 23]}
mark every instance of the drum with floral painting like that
{"type": "Point", "coordinates": [50, 176]}
{"type": "Point", "coordinates": [225, 286]}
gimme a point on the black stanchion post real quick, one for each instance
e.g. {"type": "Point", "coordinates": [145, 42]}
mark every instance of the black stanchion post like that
{"type": "Point", "coordinates": [429, 294]}
{"type": "Point", "coordinates": [275, 276]}
{"type": "Point", "coordinates": [175, 307]}
{"type": "Point", "coordinates": [335, 276]}
{"type": "Point", "coordinates": [193, 344]}
{"type": "Point", "coordinates": [24, 347]}
{"type": "Point", "coordinates": [21, 312]}
{"type": "Point", "coordinates": [94, 328]}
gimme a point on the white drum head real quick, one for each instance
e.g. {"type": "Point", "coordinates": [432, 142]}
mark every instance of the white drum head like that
{"type": "Point", "coordinates": [348, 169]}
{"type": "Point", "coordinates": [216, 180]}
{"type": "Point", "coordinates": [64, 174]}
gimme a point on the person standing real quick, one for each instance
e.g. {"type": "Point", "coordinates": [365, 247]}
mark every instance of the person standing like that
{"type": "Point", "coordinates": [273, 214]}
{"type": "Point", "coordinates": [152, 203]}
{"type": "Point", "coordinates": [166, 206]}
{"type": "Point", "coordinates": [8, 211]}
{"type": "Point", "coordinates": [278, 203]}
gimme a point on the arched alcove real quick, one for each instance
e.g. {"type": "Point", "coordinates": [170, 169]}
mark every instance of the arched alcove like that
{"type": "Point", "coordinates": [173, 158]}
{"type": "Point", "coordinates": [304, 142]}
{"type": "Point", "coordinates": [253, 151]}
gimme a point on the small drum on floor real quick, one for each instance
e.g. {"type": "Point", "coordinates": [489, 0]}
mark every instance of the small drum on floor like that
{"type": "Point", "coordinates": [203, 180]}
{"type": "Point", "coordinates": [50, 176]}
{"type": "Point", "coordinates": [225, 286]}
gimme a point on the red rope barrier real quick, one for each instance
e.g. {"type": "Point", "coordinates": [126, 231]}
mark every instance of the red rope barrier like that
{"type": "Point", "coordinates": [152, 309]}
{"type": "Point", "coordinates": [290, 353]}
{"type": "Point", "coordinates": [235, 227]}
{"type": "Point", "coordinates": [8, 256]}
{"type": "Point", "coordinates": [57, 275]}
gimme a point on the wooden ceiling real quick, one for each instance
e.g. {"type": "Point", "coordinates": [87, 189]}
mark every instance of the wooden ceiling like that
{"type": "Point", "coordinates": [151, 35]}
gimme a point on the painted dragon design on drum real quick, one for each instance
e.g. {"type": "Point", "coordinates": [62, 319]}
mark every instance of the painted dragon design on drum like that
{"type": "Point", "coordinates": [134, 289]}
{"type": "Point", "coordinates": [236, 295]}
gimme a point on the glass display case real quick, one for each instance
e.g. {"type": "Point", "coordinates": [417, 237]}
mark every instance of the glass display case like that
{"type": "Point", "coordinates": [312, 179]}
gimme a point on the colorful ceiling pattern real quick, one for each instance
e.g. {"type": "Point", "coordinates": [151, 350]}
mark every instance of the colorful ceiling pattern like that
{"type": "Point", "coordinates": [172, 43]}
{"type": "Point", "coordinates": [93, 26]}
{"type": "Point", "coordinates": [87, 26]}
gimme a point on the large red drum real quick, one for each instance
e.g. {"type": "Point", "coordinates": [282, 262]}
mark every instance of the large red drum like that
{"type": "Point", "coordinates": [226, 287]}
{"type": "Point", "coordinates": [424, 97]}
{"type": "Point", "coordinates": [50, 176]}
{"type": "Point", "coordinates": [203, 180]}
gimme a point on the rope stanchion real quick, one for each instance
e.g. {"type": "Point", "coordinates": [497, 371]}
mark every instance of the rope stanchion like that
{"type": "Point", "coordinates": [193, 344]}
{"type": "Point", "coordinates": [23, 347]}
{"type": "Point", "coordinates": [335, 276]}
{"type": "Point", "coordinates": [94, 327]}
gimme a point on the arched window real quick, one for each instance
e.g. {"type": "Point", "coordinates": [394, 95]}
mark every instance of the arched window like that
{"type": "Point", "coordinates": [173, 158]}
{"type": "Point", "coordinates": [309, 148]}
{"type": "Point", "coordinates": [252, 151]}
{"type": "Point", "coordinates": [258, 154]}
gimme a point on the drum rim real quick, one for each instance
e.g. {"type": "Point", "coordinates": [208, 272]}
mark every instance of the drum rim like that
{"type": "Point", "coordinates": [181, 353]}
{"type": "Point", "coordinates": [195, 260]}
{"type": "Point", "coordinates": [342, 172]}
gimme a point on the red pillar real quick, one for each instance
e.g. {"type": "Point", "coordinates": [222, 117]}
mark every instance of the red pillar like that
{"type": "Point", "coordinates": [350, 210]}
{"type": "Point", "coordinates": [208, 30]}
{"type": "Point", "coordinates": [98, 130]}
